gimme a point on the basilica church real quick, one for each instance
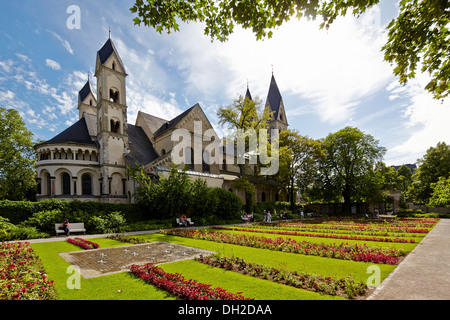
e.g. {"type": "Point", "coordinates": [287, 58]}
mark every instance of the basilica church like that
{"type": "Point", "coordinates": [89, 161]}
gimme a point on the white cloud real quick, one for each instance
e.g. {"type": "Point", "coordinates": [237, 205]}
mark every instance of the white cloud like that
{"type": "Point", "coordinates": [53, 64]}
{"type": "Point", "coordinates": [333, 70]}
{"type": "Point", "coordinates": [23, 57]}
{"type": "Point", "coordinates": [425, 121]}
{"type": "Point", "coordinates": [64, 43]}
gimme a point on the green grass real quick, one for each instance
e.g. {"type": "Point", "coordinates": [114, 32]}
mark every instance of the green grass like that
{"type": "Point", "coordinates": [250, 287]}
{"type": "Point", "coordinates": [290, 261]}
{"type": "Point", "coordinates": [124, 286]}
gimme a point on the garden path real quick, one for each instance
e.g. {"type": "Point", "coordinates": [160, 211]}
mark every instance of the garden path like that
{"type": "Point", "coordinates": [425, 272]}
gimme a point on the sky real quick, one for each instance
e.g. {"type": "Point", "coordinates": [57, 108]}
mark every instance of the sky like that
{"type": "Point", "coordinates": [328, 79]}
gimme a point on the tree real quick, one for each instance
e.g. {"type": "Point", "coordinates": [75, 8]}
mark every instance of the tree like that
{"type": "Point", "coordinates": [441, 193]}
{"type": "Point", "coordinates": [434, 164]}
{"type": "Point", "coordinates": [298, 156]}
{"type": "Point", "coordinates": [244, 117]}
{"type": "Point", "coordinates": [418, 36]}
{"type": "Point", "coordinates": [17, 158]}
{"type": "Point", "coordinates": [404, 176]}
{"type": "Point", "coordinates": [168, 197]}
{"type": "Point", "coordinates": [343, 173]}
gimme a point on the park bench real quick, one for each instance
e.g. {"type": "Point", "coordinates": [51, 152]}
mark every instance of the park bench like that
{"type": "Point", "coordinates": [189, 222]}
{"type": "Point", "coordinates": [74, 227]}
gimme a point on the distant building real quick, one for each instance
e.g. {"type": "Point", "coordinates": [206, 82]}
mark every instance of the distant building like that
{"type": "Point", "coordinates": [411, 167]}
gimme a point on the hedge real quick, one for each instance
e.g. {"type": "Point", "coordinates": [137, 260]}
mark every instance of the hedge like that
{"type": "Point", "coordinates": [19, 211]}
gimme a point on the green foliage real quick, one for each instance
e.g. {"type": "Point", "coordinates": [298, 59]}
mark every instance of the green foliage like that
{"type": "Point", "coordinates": [176, 194]}
{"type": "Point", "coordinates": [419, 36]}
{"type": "Point", "coordinates": [112, 222]}
{"type": "Point", "coordinates": [17, 158]}
{"type": "Point", "coordinates": [434, 165]}
{"type": "Point", "coordinates": [228, 204]}
{"type": "Point", "coordinates": [441, 193]}
{"type": "Point", "coordinates": [343, 172]}
{"type": "Point", "coordinates": [19, 211]}
{"type": "Point", "coordinates": [10, 232]}
{"type": "Point", "coordinates": [298, 162]}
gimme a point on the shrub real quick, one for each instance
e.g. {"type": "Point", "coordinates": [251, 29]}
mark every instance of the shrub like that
{"type": "Point", "coordinates": [45, 220]}
{"type": "Point", "coordinates": [9, 232]}
{"type": "Point", "coordinates": [228, 204]}
{"type": "Point", "coordinates": [113, 222]}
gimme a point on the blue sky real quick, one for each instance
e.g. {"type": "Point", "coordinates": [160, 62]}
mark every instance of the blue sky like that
{"type": "Point", "coordinates": [328, 79]}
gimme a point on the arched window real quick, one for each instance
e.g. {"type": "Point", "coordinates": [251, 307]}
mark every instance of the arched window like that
{"type": "Point", "coordinates": [115, 126]}
{"type": "Point", "coordinates": [48, 184]}
{"type": "Point", "coordinates": [224, 164]}
{"type": "Point", "coordinates": [113, 95]}
{"type": "Point", "coordinates": [114, 66]}
{"type": "Point", "coordinates": [163, 152]}
{"type": "Point", "coordinates": [65, 182]}
{"type": "Point", "coordinates": [263, 196]}
{"type": "Point", "coordinates": [86, 184]}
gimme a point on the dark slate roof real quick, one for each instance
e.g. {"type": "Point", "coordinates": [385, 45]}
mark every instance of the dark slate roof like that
{"type": "Point", "coordinates": [274, 97]}
{"type": "Point", "coordinates": [76, 133]}
{"type": "Point", "coordinates": [107, 50]}
{"type": "Point", "coordinates": [84, 92]}
{"type": "Point", "coordinates": [248, 94]}
{"type": "Point", "coordinates": [172, 123]}
{"type": "Point", "coordinates": [410, 166]}
{"type": "Point", "coordinates": [142, 151]}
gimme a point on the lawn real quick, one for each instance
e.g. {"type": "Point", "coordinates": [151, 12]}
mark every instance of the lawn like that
{"type": "Point", "coordinates": [124, 286]}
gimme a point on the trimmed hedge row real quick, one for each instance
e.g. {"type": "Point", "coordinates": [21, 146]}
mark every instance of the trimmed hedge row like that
{"type": "Point", "coordinates": [19, 211]}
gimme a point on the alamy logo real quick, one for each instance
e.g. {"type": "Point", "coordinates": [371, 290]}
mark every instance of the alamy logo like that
{"type": "Point", "coordinates": [248, 146]}
{"type": "Point", "coordinates": [74, 20]}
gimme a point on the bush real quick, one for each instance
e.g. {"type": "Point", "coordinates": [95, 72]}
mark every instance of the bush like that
{"type": "Point", "coordinates": [10, 232]}
{"type": "Point", "coordinates": [228, 204]}
{"type": "Point", "coordinates": [113, 222]}
{"type": "Point", "coordinates": [20, 211]}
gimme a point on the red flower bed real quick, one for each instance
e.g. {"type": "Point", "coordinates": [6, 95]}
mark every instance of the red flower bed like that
{"type": "Point", "coordinates": [181, 287]}
{"type": "Point", "coordinates": [83, 243]}
{"type": "Point", "coordinates": [343, 251]}
{"type": "Point", "coordinates": [319, 235]}
{"type": "Point", "coordinates": [21, 275]}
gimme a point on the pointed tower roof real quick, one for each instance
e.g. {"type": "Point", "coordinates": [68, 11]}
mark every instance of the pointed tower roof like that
{"type": "Point", "coordinates": [84, 92]}
{"type": "Point", "coordinates": [106, 51]}
{"type": "Point", "coordinates": [274, 98]}
{"type": "Point", "coordinates": [248, 94]}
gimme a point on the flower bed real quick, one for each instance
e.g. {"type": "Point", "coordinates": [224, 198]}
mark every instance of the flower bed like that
{"type": "Point", "coordinates": [319, 235]}
{"type": "Point", "coordinates": [181, 287]}
{"type": "Point", "coordinates": [126, 238]}
{"type": "Point", "coordinates": [83, 243]}
{"type": "Point", "coordinates": [345, 287]}
{"type": "Point", "coordinates": [343, 251]}
{"type": "Point", "coordinates": [400, 226]}
{"type": "Point", "coordinates": [21, 275]}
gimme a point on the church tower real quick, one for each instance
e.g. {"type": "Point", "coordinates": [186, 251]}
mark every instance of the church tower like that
{"type": "Point", "coordinates": [111, 120]}
{"type": "Point", "coordinates": [275, 103]}
{"type": "Point", "coordinates": [87, 102]}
